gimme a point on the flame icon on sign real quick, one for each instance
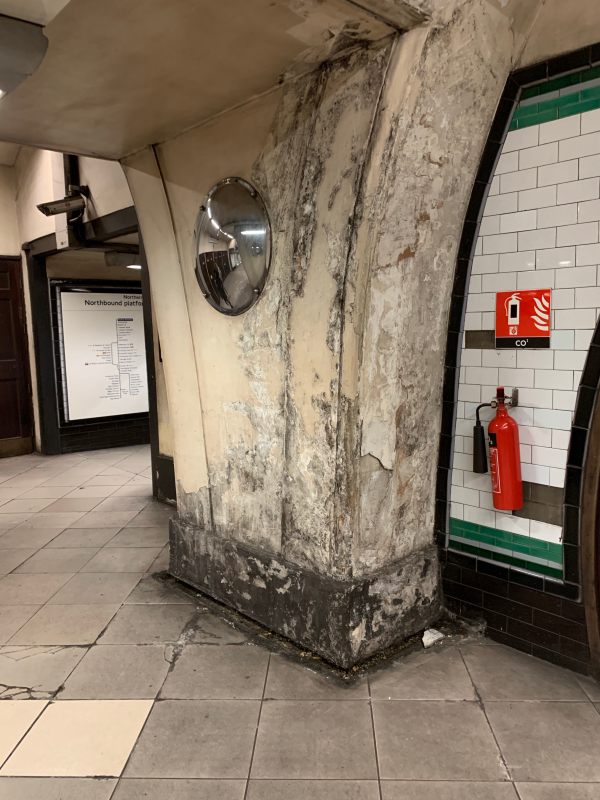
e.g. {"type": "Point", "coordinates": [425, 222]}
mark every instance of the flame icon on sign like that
{"type": "Point", "coordinates": [541, 317]}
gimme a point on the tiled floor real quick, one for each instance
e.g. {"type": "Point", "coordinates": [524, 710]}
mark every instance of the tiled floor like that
{"type": "Point", "coordinates": [115, 683]}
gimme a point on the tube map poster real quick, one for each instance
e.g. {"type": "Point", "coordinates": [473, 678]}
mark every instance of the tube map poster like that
{"type": "Point", "coordinates": [103, 354]}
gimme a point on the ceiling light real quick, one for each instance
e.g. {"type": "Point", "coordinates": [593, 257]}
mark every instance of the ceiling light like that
{"type": "Point", "coordinates": [134, 266]}
{"type": "Point", "coordinates": [254, 232]}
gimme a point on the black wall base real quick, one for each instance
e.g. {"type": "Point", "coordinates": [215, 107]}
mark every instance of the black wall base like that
{"type": "Point", "coordinates": [343, 621]}
{"type": "Point", "coordinates": [166, 490]}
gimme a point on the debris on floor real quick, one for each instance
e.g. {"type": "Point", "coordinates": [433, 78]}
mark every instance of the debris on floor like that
{"type": "Point", "coordinates": [431, 636]}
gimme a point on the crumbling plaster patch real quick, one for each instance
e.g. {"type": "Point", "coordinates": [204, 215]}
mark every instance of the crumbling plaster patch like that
{"type": "Point", "coordinates": [321, 406]}
{"type": "Point", "coordinates": [441, 94]}
{"type": "Point", "coordinates": [269, 379]}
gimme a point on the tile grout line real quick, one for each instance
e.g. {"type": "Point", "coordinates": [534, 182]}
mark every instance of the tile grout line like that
{"type": "Point", "coordinates": [5, 761]}
{"type": "Point", "coordinates": [262, 700]}
{"type": "Point", "coordinates": [482, 706]}
{"type": "Point", "coordinates": [374, 739]}
{"type": "Point", "coordinates": [154, 701]}
{"type": "Point", "coordinates": [517, 792]}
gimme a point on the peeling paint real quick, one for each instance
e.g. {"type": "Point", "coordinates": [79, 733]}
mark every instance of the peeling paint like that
{"type": "Point", "coordinates": [322, 405]}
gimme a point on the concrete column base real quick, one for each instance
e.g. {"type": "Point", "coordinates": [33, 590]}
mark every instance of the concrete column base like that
{"type": "Point", "coordinates": [344, 621]}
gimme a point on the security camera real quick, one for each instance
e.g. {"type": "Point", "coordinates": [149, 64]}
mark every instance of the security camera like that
{"type": "Point", "coordinates": [64, 206]}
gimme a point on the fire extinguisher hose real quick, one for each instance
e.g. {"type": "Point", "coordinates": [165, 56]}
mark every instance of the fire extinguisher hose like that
{"type": "Point", "coordinates": [480, 464]}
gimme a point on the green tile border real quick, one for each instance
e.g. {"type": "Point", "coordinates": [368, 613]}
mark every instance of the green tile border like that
{"type": "Point", "coordinates": [555, 84]}
{"type": "Point", "coordinates": [578, 101]}
{"type": "Point", "coordinates": [514, 549]}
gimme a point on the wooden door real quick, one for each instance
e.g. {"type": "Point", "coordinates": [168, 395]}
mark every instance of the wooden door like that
{"type": "Point", "coordinates": [16, 429]}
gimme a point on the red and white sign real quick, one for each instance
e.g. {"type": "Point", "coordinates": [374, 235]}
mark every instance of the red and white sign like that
{"type": "Point", "coordinates": [523, 318]}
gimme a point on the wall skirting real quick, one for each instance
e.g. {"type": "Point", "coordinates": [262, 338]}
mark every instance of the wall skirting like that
{"type": "Point", "coordinates": [344, 621]}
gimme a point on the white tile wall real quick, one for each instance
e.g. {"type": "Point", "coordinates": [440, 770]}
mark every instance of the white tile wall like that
{"type": "Point", "coordinates": [540, 229]}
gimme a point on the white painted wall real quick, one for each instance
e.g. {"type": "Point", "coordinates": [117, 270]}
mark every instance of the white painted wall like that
{"type": "Point", "coordinates": [35, 184]}
{"type": "Point", "coordinates": [9, 228]}
{"type": "Point", "coordinates": [108, 185]}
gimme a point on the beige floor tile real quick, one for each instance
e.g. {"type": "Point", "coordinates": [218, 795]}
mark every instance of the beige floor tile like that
{"type": "Point", "coordinates": [68, 479]}
{"type": "Point", "coordinates": [161, 562]}
{"type": "Point", "coordinates": [122, 559]}
{"type": "Point", "coordinates": [60, 520]}
{"type": "Point", "coordinates": [24, 504]}
{"type": "Point", "coordinates": [73, 504]}
{"type": "Point", "coordinates": [83, 537]}
{"type": "Point", "coordinates": [104, 519]}
{"type": "Point", "coordinates": [80, 738]}
{"type": "Point", "coordinates": [435, 740]}
{"type": "Point", "coordinates": [210, 629]}
{"type": "Point", "coordinates": [9, 521]}
{"type": "Point", "coordinates": [548, 741]}
{"type": "Point", "coordinates": [141, 537]}
{"type": "Point", "coordinates": [31, 590]}
{"type": "Point", "coordinates": [56, 788]}
{"type": "Point", "coordinates": [121, 503]}
{"type": "Point", "coordinates": [207, 672]}
{"type": "Point", "coordinates": [559, 791]}
{"type": "Point", "coordinates": [28, 538]}
{"type": "Point", "coordinates": [90, 491]}
{"type": "Point", "coordinates": [154, 515]}
{"type": "Point", "coordinates": [64, 559]}
{"type": "Point", "coordinates": [74, 624]}
{"type": "Point", "coordinates": [119, 672]}
{"type": "Point", "coordinates": [148, 624]}
{"type": "Point", "coordinates": [315, 739]}
{"type": "Point", "coordinates": [23, 482]}
{"type": "Point", "coordinates": [159, 589]}
{"type": "Point", "coordinates": [196, 739]}
{"type": "Point", "coordinates": [434, 675]}
{"type": "Point", "coordinates": [179, 789]}
{"type": "Point", "coordinates": [106, 480]}
{"type": "Point", "coordinates": [316, 790]}
{"type": "Point", "coordinates": [289, 680]}
{"type": "Point", "coordinates": [12, 618]}
{"type": "Point", "coordinates": [501, 673]}
{"type": "Point", "coordinates": [590, 686]}
{"type": "Point", "coordinates": [46, 492]}
{"type": "Point", "coordinates": [16, 717]}
{"type": "Point", "coordinates": [135, 490]}
{"type": "Point", "coordinates": [96, 587]}
{"type": "Point", "coordinates": [11, 559]}
{"type": "Point", "coordinates": [7, 494]}
{"type": "Point", "coordinates": [34, 672]}
{"type": "Point", "coordinates": [447, 790]}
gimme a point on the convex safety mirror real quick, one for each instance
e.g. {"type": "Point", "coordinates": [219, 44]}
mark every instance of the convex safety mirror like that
{"type": "Point", "coordinates": [233, 246]}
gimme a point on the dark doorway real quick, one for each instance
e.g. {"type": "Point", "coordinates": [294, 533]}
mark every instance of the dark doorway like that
{"type": "Point", "coordinates": [16, 428]}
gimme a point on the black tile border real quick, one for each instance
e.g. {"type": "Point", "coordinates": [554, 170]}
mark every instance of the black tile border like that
{"type": "Point", "coordinates": [511, 622]}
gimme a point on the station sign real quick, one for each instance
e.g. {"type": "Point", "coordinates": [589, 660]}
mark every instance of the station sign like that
{"type": "Point", "coordinates": [523, 319]}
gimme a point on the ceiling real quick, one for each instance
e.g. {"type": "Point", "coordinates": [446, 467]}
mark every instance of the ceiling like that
{"type": "Point", "coordinates": [39, 11]}
{"type": "Point", "coordinates": [118, 76]}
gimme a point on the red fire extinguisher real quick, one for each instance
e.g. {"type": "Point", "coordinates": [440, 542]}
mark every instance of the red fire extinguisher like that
{"type": "Point", "coordinates": [505, 456]}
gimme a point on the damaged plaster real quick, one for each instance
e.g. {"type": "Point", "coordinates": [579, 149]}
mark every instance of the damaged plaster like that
{"type": "Point", "coordinates": [321, 406]}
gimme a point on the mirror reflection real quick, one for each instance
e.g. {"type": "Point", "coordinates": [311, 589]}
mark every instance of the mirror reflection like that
{"type": "Point", "coordinates": [233, 246]}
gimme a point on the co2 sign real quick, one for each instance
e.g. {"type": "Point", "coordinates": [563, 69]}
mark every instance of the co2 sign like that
{"type": "Point", "coordinates": [523, 318]}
